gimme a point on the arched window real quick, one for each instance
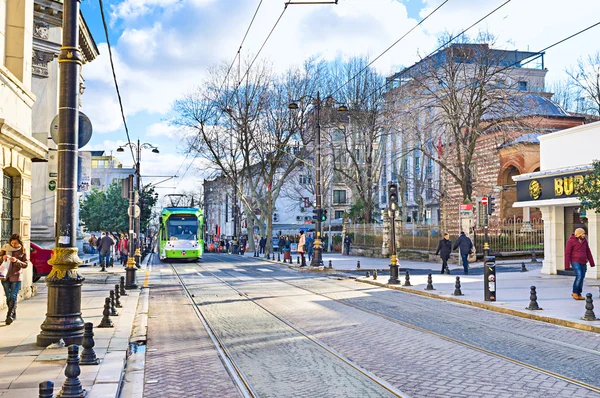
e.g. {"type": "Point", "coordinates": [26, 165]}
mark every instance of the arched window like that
{"type": "Point", "coordinates": [7, 206]}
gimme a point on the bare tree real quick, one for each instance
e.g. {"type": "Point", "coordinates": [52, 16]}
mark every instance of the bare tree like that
{"type": "Point", "coordinates": [584, 78]}
{"type": "Point", "coordinates": [564, 95]}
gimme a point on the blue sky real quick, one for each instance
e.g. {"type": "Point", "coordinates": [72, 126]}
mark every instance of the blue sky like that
{"type": "Point", "coordinates": [163, 48]}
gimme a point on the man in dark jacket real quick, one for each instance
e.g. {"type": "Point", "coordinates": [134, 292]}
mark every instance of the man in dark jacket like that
{"type": "Point", "coordinates": [444, 249]}
{"type": "Point", "coordinates": [577, 255]}
{"type": "Point", "coordinates": [464, 245]}
{"type": "Point", "coordinates": [104, 245]}
{"type": "Point", "coordinates": [281, 244]}
{"type": "Point", "coordinates": [347, 243]}
{"type": "Point", "coordinates": [262, 243]}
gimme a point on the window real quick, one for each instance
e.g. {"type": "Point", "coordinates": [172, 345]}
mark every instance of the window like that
{"type": "Point", "coordinates": [429, 169]}
{"type": "Point", "coordinates": [429, 189]}
{"type": "Point", "coordinates": [523, 86]}
{"type": "Point", "coordinates": [94, 164]}
{"type": "Point", "coordinates": [7, 205]}
{"type": "Point", "coordinates": [305, 180]}
{"type": "Point", "coordinates": [339, 214]}
{"type": "Point", "coordinates": [417, 165]}
{"type": "Point", "coordinates": [95, 182]}
{"type": "Point", "coordinates": [339, 197]}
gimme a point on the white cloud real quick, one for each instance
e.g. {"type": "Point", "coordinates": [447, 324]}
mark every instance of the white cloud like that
{"type": "Point", "coordinates": [163, 129]}
{"type": "Point", "coordinates": [130, 9]}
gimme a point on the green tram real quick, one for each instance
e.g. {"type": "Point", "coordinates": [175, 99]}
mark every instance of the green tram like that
{"type": "Point", "coordinates": [181, 233]}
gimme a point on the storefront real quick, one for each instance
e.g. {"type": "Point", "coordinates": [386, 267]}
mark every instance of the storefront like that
{"type": "Point", "coordinates": [565, 157]}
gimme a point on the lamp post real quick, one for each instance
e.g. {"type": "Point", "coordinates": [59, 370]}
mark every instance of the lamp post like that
{"type": "Point", "coordinates": [63, 316]}
{"type": "Point", "coordinates": [138, 149]}
{"type": "Point", "coordinates": [393, 200]}
{"type": "Point", "coordinates": [317, 260]}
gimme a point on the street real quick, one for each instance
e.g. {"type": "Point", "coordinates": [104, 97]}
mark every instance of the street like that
{"type": "Point", "coordinates": [284, 333]}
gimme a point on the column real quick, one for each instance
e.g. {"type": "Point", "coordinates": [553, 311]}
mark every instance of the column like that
{"type": "Point", "coordinates": [593, 237]}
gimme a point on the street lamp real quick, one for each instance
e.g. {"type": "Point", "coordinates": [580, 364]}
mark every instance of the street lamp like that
{"type": "Point", "coordinates": [138, 149]}
{"type": "Point", "coordinates": [317, 260]}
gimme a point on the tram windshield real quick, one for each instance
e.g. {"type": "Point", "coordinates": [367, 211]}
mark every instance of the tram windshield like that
{"type": "Point", "coordinates": [182, 227]}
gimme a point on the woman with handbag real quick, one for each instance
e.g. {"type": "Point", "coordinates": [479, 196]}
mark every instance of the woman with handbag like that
{"type": "Point", "coordinates": [15, 253]}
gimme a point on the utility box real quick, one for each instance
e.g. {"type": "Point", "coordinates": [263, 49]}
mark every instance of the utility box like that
{"type": "Point", "coordinates": [489, 278]}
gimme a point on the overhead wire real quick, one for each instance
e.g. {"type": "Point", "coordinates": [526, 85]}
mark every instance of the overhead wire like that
{"type": "Point", "coordinates": [112, 66]}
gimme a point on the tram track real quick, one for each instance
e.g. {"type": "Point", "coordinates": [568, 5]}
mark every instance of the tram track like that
{"type": "Point", "coordinates": [443, 336]}
{"type": "Point", "coordinates": [234, 369]}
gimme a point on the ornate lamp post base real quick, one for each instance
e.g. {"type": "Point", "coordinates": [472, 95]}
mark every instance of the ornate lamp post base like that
{"type": "Point", "coordinates": [130, 275]}
{"type": "Point", "coordinates": [394, 271]}
{"type": "Point", "coordinates": [317, 260]}
{"type": "Point", "coordinates": [63, 317]}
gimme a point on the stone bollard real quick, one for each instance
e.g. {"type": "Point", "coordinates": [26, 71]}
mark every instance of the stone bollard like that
{"type": "Point", "coordinates": [117, 297]}
{"type": "Point", "coordinates": [429, 283]}
{"type": "Point", "coordinates": [589, 309]}
{"type": "Point", "coordinates": [374, 274]}
{"type": "Point", "coordinates": [523, 267]}
{"type": "Point", "coordinates": [367, 274]}
{"type": "Point", "coordinates": [113, 310]}
{"type": "Point", "coordinates": [533, 304]}
{"type": "Point", "coordinates": [123, 292]}
{"type": "Point", "coordinates": [46, 389]}
{"type": "Point", "coordinates": [106, 322]}
{"type": "Point", "coordinates": [72, 386]}
{"type": "Point", "coordinates": [358, 265]}
{"type": "Point", "coordinates": [88, 355]}
{"type": "Point", "coordinates": [330, 264]}
{"type": "Point", "coordinates": [407, 279]}
{"type": "Point", "coordinates": [457, 291]}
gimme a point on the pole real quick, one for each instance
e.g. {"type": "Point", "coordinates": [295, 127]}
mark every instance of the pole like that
{"type": "Point", "coordinates": [317, 260]}
{"type": "Point", "coordinates": [137, 219]}
{"type": "Point", "coordinates": [394, 268]}
{"type": "Point", "coordinates": [131, 268]}
{"type": "Point", "coordinates": [236, 241]}
{"type": "Point", "coordinates": [63, 316]}
{"type": "Point", "coordinates": [330, 240]}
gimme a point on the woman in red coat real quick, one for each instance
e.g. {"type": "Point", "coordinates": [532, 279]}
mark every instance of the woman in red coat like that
{"type": "Point", "coordinates": [14, 252]}
{"type": "Point", "coordinates": [577, 254]}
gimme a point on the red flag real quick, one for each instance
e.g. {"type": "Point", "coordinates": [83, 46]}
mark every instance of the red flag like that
{"type": "Point", "coordinates": [439, 148]}
{"type": "Point", "coordinates": [269, 186]}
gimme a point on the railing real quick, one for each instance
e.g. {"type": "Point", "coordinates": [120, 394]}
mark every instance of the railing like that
{"type": "Point", "coordinates": [367, 235]}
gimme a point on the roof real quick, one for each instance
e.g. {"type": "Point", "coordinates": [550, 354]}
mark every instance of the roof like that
{"type": "Point", "coordinates": [528, 104]}
{"type": "Point", "coordinates": [531, 138]}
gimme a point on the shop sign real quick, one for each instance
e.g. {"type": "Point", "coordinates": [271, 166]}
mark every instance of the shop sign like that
{"type": "Point", "coordinates": [52, 185]}
{"type": "Point", "coordinates": [544, 188]}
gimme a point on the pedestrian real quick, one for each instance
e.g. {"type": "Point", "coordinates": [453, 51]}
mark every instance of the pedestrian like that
{"type": "Point", "coordinates": [578, 254]}
{"type": "Point", "coordinates": [93, 242]}
{"type": "Point", "coordinates": [104, 246]}
{"type": "Point", "coordinates": [15, 253]}
{"type": "Point", "coordinates": [310, 247]}
{"type": "Point", "coordinates": [124, 250]}
{"type": "Point", "coordinates": [302, 248]}
{"type": "Point", "coordinates": [347, 243]}
{"type": "Point", "coordinates": [464, 245]}
{"type": "Point", "coordinates": [281, 244]}
{"type": "Point", "coordinates": [287, 249]}
{"type": "Point", "coordinates": [262, 244]}
{"type": "Point", "coordinates": [256, 246]}
{"type": "Point", "coordinates": [444, 249]}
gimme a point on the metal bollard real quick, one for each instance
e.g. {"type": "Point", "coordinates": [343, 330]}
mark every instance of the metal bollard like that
{"type": "Point", "coordinates": [358, 265]}
{"type": "Point", "coordinates": [407, 279]}
{"type": "Point", "coordinates": [113, 310]}
{"type": "Point", "coordinates": [457, 291]}
{"type": "Point", "coordinates": [429, 283]}
{"type": "Point", "coordinates": [106, 322]}
{"type": "Point", "coordinates": [297, 260]}
{"type": "Point", "coordinates": [533, 304]}
{"type": "Point", "coordinates": [589, 309]}
{"type": "Point", "coordinates": [72, 386]}
{"type": "Point", "coordinates": [374, 274]}
{"type": "Point", "coordinates": [330, 265]}
{"type": "Point", "coordinates": [88, 355]}
{"type": "Point", "coordinates": [117, 297]}
{"type": "Point", "coordinates": [46, 389]}
{"type": "Point", "coordinates": [123, 292]}
{"type": "Point", "coordinates": [533, 257]}
{"type": "Point", "coordinates": [523, 267]}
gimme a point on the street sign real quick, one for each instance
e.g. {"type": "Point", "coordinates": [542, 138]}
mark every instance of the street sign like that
{"type": "Point", "coordinates": [466, 208]}
{"type": "Point", "coordinates": [484, 200]}
{"type": "Point", "coordinates": [136, 211]}
{"type": "Point", "coordinates": [85, 129]}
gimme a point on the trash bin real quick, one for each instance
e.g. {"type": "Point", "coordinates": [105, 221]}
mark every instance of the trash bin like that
{"type": "Point", "coordinates": [489, 278]}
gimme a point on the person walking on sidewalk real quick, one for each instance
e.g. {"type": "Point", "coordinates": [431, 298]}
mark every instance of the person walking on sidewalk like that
{"type": "Point", "coordinates": [302, 248]}
{"type": "Point", "coordinates": [577, 254]}
{"type": "Point", "coordinates": [104, 246]}
{"type": "Point", "coordinates": [15, 253]}
{"type": "Point", "coordinates": [262, 243]}
{"type": "Point", "coordinates": [464, 245]}
{"type": "Point", "coordinates": [310, 249]}
{"type": "Point", "coordinates": [444, 249]}
{"type": "Point", "coordinates": [124, 250]}
{"type": "Point", "coordinates": [347, 243]}
{"type": "Point", "coordinates": [93, 242]}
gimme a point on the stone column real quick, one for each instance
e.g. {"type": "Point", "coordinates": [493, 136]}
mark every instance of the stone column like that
{"type": "Point", "coordinates": [526, 227]}
{"type": "Point", "coordinates": [554, 239]}
{"type": "Point", "coordinates": [385, 246]}
{"type": "Point", "coordinates": [593, 238]}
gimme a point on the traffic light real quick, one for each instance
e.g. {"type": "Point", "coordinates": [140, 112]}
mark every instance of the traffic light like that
{"type": "Point", "coordinates": [393, 194]}
{"type": "Point", "coordinates": [491, 205]}
{"type": "Point", "coordinates": [323, 215]}
{"type": "Point", "coordinates": [317, 214]}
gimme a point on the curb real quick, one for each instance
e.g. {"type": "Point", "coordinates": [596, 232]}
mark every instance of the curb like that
{"type": "Point", "coordinates": [135, 365]}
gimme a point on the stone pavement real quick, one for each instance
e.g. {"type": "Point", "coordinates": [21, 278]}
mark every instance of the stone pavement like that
{"type": "Point", "coordinates": [23, 365]}
{"type": "Point", "coordinates": [513, 288]}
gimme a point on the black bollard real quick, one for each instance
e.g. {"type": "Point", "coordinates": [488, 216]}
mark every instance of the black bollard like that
{"type": "Point", "coordinates": [407, 279]}
{"type": "Point", "coordinates": [46, 389]}
{"type": "Point", "coordinates": [358, 265]}
{"type": "Point", "coordinates": [589, 309]}
{"type": "Point", "coordinates": [103, 266]}
{"type": "Point", "coordinates": [368, 274]}
{"type": "Point", "coordinates": [533, 304]}
{"type": "Point", "coordinates": [106, 322]}
{"type": "Point", "coordinates": [330, 265]}
{"type": "Point", "coordinates": [533, 257]}
{"type": "Point", "coordinates": [278, 257]}
{"type": "Point", "coordinates": [123, 292]}
{"type": "Point", "coordinates": [113, 310]}
{"type": "Point", "coordinates": [88, 355]}
{"type": "Point", "coordinates": [297, 260]}
{"type": "Point", "coordinates": [72, 386]}
{"type": "Point", "coordinates": [374, 274]}
{"type": "Point", "coordinates": [429, 283]}
{"type": "Point", "coordinates": [457, 291]}
{"type": "Point", "coordinates": [117, 297]}
{"type": "Point", "coordinates": [523, 267]}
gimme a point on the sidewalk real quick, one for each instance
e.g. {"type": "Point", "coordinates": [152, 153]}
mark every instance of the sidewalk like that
{"type": "Point", "coordinates": [513, 287]}
{"type": "Point", "coordinates": [23, 365]}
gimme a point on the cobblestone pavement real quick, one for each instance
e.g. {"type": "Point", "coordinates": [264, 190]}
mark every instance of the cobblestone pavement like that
{"type": "Point", "coordinates": [181, 360]}
{"type": "Point", "coordinates": [418, 363]}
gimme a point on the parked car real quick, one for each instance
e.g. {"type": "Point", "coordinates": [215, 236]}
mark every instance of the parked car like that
{"type": "Point", "coordinates": [39, 257]}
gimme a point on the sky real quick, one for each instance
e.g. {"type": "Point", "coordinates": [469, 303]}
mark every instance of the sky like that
{"type": "Point", "coordinates": [163, 48]}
